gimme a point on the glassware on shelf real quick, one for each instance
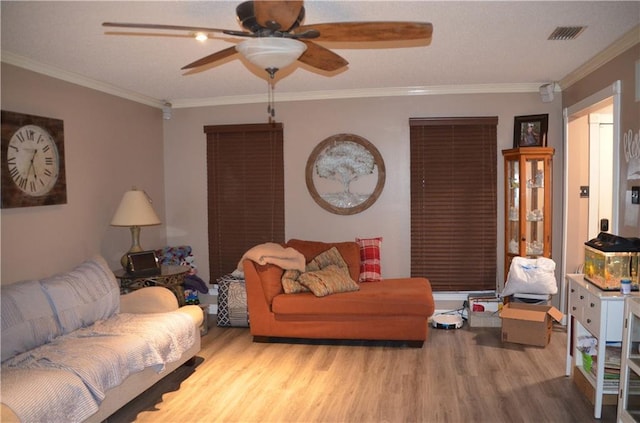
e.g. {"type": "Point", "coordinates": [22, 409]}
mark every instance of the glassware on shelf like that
{"type": "Point", "coordinates": [513, 213]}
{"type": "Point", "coordinates": [536, 181]}
{"type": "Point", "coordinates": [514, 247]}
{"type": "Point", "coordinates": [535, 215]}
{"type": "Point", "coordinates": [535, 248]}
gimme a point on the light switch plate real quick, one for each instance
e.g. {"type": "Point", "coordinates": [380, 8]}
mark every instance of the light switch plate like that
{"type": "Point", "coordinates": [635, 195]}
{"type": "Point", "coordinates": [584, 191]}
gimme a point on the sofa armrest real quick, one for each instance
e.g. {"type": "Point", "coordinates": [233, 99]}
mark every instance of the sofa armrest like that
{"type": "Point", "coordinates": [152, 299]}
{"type": "Point", "coordinates": [157, 299]}
{"type": "Point", "coordinates": [7, 415]}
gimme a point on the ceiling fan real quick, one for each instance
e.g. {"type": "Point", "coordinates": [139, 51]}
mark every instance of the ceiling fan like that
{"type": "Point", "coordinates": [275, 37]}
{"type": "Point", "coordinates": [273, 28]}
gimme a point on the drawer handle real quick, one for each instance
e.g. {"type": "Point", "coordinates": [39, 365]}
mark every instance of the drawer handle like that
{"type": "Point", "coordinates": [574, 308]}
{"type": "Point", "coordinates": [593, 305]}
{"type": "Point", "coordinates": [582, 297]}
{"type": "Point", "coordinates": [588, 320]}
{"type": "Point", "coordinates": [573, 290]}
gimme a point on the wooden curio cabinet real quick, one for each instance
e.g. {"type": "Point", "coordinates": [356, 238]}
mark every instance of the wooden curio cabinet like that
{"type": "Point", "coordinates": [527, 178]}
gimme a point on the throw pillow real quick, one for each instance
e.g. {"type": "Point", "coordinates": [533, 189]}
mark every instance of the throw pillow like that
{"type": "Point", "coordinates": [28, 320]}
{"type": "Point", "coordinates": [327, 258]}
{"type": "Point", "coordinates": [290, 282]}
{"type": "Point", "coordinates": [370, 259]}
{"type": "Point", "coordinates": [84, 295]}
{"type": "Point", "coordinates": [330, 280]}
{"type": "Point", "coordinates": [349, 250]}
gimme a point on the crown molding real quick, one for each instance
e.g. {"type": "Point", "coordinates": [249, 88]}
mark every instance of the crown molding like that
{"type": "Point", "coordinates": [625, 42]}
{"type": "Point", "coordinates": [75, 78]}
{"type": "Point", "coordinates": [621, 45]}
{"type": "Point", "coordinates": [361, 93]}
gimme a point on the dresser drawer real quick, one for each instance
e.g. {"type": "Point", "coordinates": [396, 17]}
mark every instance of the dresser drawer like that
{"type": "Point", "coordinates": [585, 307]}
{"type": "Point", "coordinates": [577, 300]}
{"type": "Point", "coordinates": [591, 314]}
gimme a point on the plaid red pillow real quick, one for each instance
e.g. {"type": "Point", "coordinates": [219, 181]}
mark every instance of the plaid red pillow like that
{"type": "Point", "coordinates": [369, 259]}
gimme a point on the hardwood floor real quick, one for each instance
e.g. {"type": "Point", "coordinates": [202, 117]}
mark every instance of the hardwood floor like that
{"type": "Point", "coordinates": [464, 375]}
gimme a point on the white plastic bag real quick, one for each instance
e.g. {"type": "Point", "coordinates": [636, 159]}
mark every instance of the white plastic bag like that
{"type": "Point", "coordinates": [531, 276]}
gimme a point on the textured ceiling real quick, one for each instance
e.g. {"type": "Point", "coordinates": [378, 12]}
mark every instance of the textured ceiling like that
{"type": "Point", "coordinates": [474, 42]}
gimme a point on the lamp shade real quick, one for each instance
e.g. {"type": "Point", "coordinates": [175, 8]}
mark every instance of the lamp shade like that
{"type": "Point", "coordinates": [271, 52]}
{"type": "Point", "coordinates": [135, 210]}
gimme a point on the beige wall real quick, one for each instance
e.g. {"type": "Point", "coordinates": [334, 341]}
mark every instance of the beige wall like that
{"type": "Point", "coordinates": [111, 144]}
{"type": "Point", "coordinates": [621, 68]}
{"type": "Point", "coordinates": [384, 122]}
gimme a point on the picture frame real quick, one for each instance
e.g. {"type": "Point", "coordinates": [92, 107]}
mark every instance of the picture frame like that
{"type": "Point", "coordinates": [530, 131]}
{"type": "Point", "coordinates": [45, 184]}
{"type": "Point", "coordinates": [143, 263]}
{"type": "Point", "coordinates": [345, 174]}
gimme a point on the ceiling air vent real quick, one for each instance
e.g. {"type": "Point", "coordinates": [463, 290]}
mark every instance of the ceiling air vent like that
{"type": "Point", "coordinates": [566, 32]}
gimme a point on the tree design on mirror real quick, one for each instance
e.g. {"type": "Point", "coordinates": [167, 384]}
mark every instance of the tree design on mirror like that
{"type": "Point", "coordinates": [345, 174]}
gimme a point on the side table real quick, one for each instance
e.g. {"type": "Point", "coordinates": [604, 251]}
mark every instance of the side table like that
{"type": "Point", "coordinates": [171, 277]}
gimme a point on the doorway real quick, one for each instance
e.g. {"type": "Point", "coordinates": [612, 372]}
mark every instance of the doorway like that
{"type": "Point", "coordinates": [591, 167]}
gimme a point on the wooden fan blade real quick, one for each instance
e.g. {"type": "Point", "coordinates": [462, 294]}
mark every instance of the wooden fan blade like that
{"type": "Point", "coordinates": [371, 31]}
{"type": "Point", "coordinates": [169, 27]}
{"type": "Point", "coordinates": [219, 55]}
{"type": "Point", "coordinates": [321, 58]}
{"type": "Point", "coordinates": [283, 13]}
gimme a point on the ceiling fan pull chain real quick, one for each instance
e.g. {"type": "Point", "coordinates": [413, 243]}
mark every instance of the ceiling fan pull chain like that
{"type": "Point", "coordinates": [273, 104]}
{"type": "Point", "coordinates": [268, 99]}
{"type": "Point", "coordinates": [271, 109]}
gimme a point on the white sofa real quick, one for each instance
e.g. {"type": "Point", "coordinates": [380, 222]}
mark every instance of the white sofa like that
{"type": "Point", "coordinates": [74, 349]}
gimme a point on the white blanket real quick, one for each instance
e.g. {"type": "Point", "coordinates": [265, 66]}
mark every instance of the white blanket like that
{"type": "Point", "coordinates": [101, 356]}
{"type": "Point", "coordinates": [25, 390]}
{"type": "Point", "coordinates": [270, 252]}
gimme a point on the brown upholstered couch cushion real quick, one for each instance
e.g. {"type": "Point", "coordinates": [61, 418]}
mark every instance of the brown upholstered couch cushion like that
{"type": "Point", "coordinates": [394, 297]}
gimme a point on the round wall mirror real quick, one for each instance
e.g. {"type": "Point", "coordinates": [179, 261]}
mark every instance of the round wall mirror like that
{"type": "Point", "coordinates": [345, 174]}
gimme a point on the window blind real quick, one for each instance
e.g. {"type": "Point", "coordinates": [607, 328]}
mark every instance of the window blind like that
{"type": "Point", "coordinates": [245, 191]}
{"type": "Point", "coordinates": [453, 202]}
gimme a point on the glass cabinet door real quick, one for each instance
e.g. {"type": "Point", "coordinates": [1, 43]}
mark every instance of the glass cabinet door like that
{"type": "Point", "coordinates": [527, 203]}
{"type": "Point", "coordinates": [629, 398]}
{"type": "Point", "coordinates": [513, 207]}
{"type": "Point", "coordinates": [534, 208]}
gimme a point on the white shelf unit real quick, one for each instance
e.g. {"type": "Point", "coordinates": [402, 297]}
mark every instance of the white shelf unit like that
{"type": "Point", "coordinates": [598, 313]}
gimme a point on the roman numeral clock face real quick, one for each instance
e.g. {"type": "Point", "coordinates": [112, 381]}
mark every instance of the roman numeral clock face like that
{"type": "Point", "coordinates": [33, 161]}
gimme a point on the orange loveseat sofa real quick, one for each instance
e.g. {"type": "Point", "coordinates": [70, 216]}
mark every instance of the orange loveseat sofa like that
{"type": "Point", "coordinates": [390, 309]}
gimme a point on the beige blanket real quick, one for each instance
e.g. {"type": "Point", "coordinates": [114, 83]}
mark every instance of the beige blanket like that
{"type": "Point", "coordinates": [270, 252]}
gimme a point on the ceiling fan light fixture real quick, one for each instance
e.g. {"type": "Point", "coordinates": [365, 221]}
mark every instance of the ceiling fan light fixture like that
{"type": "Point", "coordinates": [271, 52]}
{"type": "Point", "coordinates": [201, 36]}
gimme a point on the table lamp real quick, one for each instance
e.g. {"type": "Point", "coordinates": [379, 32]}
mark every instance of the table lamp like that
{"type": "Point", "coordinates": [134, 211]}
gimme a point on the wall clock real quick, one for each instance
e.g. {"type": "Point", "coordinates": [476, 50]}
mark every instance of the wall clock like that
{"type": "Point", "coordinates": [33, 171]}
{"type": "Point", "coordinates": [345, 174]}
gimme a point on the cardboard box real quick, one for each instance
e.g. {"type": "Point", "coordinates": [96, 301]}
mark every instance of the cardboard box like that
{"type": "Point", "coordinates": [528, 324]}
{"type": "Point", "coordinates": [489, 317]}
{"type": "Point", "coordinates": [589, 391]}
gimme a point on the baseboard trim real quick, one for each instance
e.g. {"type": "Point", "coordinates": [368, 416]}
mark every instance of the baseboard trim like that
{"type": "Point", "coordinates": [451, 301]}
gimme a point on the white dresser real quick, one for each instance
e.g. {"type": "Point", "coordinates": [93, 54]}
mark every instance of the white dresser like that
{"type": "Point", "coordinates": [592, 311]}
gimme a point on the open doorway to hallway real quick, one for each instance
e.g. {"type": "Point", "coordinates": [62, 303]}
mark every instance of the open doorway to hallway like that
{"type": "Point", "coordinates": [590, 185]}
